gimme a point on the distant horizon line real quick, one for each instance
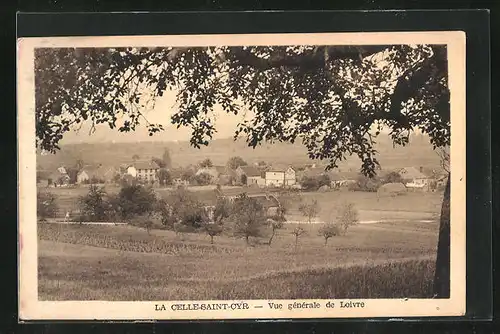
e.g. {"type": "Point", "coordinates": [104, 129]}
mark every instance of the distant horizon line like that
{"type": "Point", "coordinates": [175, 141]}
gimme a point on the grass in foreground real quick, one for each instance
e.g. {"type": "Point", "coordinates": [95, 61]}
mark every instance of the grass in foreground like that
{"type": "Point", "coordinates": [372, 261]}
{"type": "Point", "coordinates": [109, 275]}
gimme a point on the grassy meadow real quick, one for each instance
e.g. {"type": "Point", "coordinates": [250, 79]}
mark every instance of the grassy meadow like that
{"type": "Point", "coordinates": [390, 259]}
{"type": "Point", "coordinates": [371, 206]}
{"type": "Point", "coordinates": [89, 262]}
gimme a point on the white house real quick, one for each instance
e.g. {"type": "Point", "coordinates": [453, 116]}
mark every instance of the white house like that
{"type": "Point", "coordinates": [62, 170]}
{"type": "Point", "coordinates": [275, 178]}
{"type": "Point", "coordinates": [132, 171]}
{"type": "Point", "coordinates": [82, 177]}
{"type": "Point", "coordinates": [279, 177]}
{"type": "Point", "coordinates": [146, 171]}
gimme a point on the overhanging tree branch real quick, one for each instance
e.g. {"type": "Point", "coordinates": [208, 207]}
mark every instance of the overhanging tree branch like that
{"type": "Point", "coordinates": [313, 58]}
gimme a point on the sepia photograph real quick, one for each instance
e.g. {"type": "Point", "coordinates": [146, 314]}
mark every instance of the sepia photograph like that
{"type": "Point", "coordinates": [242, 176]}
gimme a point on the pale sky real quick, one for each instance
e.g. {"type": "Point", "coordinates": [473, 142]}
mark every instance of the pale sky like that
{"type": "Point", "coordinates": [225, 124]}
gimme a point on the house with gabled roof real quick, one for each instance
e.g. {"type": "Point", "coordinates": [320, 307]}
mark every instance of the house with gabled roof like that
{"type": "Point", "coordinates": [92, 174]}
{"type": "Point", "coordinates": [280, 176]}
{"type": "Point", "coordinates": [177, 178]}
{"type": "Point", "coordinates": [252, 174]}
{"type": "Point", "coordinates": [144, 171]}
{"type": "Point", "coordinates": [340, 179]}
{"type": "Point", "coordinates": [215, 172]}
{"type": "Point", "coordinates": [58, 178]}
{"type": "Point", "coordinates": [414, 178]}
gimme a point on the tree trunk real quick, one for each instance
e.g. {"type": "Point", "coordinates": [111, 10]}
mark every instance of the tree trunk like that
{"type": "Point", "coordinates": [442, 273]}
{"type": "Point", "coordinates": [271, 238]}
{"type": "Point", "coordinates": [246, 238]}
{"type": "Point", "coordinates": [326, 241]}
{"type": "Point", "coordinates": [212, 239]}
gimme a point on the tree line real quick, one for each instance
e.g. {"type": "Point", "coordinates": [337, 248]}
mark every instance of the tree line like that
{"type": "Point", "coordinates": [182, 212]}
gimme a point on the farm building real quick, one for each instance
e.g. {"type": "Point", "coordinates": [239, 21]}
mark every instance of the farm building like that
{"type": "Point", "coordinates": [253, 175]}
{"type": "Point", "coordinates": [95, 174]}
{"type": "Point", "coordinates": [146, 171]}
{"type": "Point", "coordinates": [415, 178]}
{"type": "Point", "coordinates": [58, 178]}
{"type": "Point", "coordinates": [177, 179]}
{"type": "Point", "coordinates": [342, 179]}
{"type": "Point", "coordinates": [216, 173]}
{"type": "Point", "coordinates": [280, 176]}
{"type": "Point", "coordinates": [269, 202]}
{"type": "Point", "coordinates": [82, 176]}
{"type": "Point", "coordinates": [441, 180]}
{"type": "Point", "coordinates": [62, 170]}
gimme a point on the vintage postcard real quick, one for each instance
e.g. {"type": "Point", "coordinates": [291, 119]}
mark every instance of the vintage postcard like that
{"type": "Point", "coordinates": [271, 176]}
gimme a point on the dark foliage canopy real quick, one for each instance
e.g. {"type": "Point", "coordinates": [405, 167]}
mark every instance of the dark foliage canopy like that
{"type": "Point", "coordinates": [333, 99]}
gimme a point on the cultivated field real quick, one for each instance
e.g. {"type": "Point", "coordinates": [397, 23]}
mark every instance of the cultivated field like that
{"type": "Point", "coordinates": [384, 260]}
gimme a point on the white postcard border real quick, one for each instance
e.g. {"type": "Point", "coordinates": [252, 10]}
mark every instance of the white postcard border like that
{"type": "Point", "coordinates": [30, 308]}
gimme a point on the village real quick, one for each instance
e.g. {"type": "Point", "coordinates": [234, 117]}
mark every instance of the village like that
{"type": "Point", "coordinates": [384, 218]}
{"type": "Point", "coordinates": [259, 180]}
{"type": "Point", "coordinates": [257, 175]}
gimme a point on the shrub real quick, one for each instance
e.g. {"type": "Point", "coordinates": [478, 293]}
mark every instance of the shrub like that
{"type": "Point", "coordinates": [222, 210]}
{"type": "Point", "coordinates": [46, 205]}
{"type": "Point", "coordinates": [323, 180]}
{"type": "Point", "coordinates": [298, 232]}
{"type": "Point", "coordinates": [244, 179]}
{"type": "Point", "coordinates": [201, 179]}
{"type": "Point", "coordinates": [187, 174]}
{"type": "Point", "coordinates": [206, 163]}
{"type": "Point", "coordinates": [249, 217]}
{"type": "Point", "coordinates": [164, 177]}
{"type": "Point", "coordinates": [94, 206]}
{"type": "Point", "coordinates": [309, 183]}
{"type": "Point", "coordinates": [165, 212]}
{"type": "Point", "coordinates": [347, 216]}
{"type": "Point", "coordinates": [213, 229]}
{"type": "Point", "coordinates": [329, 230]}
{"type": "Point", "coordinates": [392, 177]}
{"type": "Point", "coordinates": [309, 210]}
{"type": "Point", "coordinates": [313, 183]}
{"type": "Point", "coordinates": [276, 223]}
{"type": "Point", "coordinates": [144, 221]}
{"type": "Point", "coordinates": [364, 183]}
{"type": "Point", "coordinates": [134, 200]}
{"type": "Point", "coordinates": [236, 162]}
{"type": "Point", "coordinates": [182, 207]}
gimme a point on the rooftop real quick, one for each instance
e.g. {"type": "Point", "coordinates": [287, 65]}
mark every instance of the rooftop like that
{"type": "Point", "coordinates": [411, 173]}
{"type": "Point", "coordinates": [251, 171]}
{"type": "Point", "coordinates": [145, 165]}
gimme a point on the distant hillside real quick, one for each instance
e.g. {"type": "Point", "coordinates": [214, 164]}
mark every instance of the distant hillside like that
{"type": "Point", "coordinates": [418, 153]}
